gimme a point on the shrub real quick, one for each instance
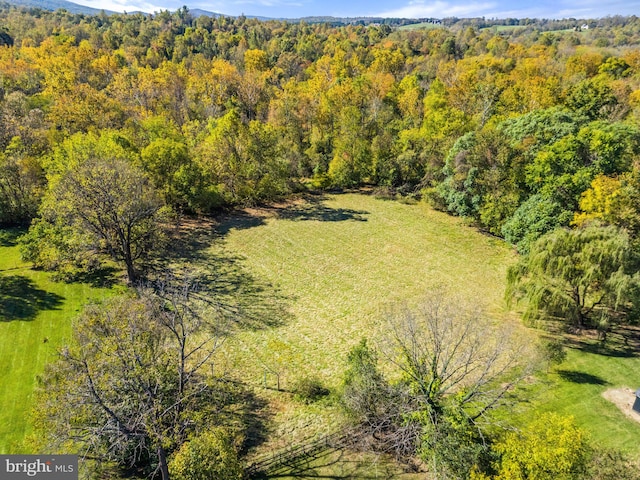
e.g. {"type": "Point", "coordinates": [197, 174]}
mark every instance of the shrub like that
{"type": "Point", "coordinates": [210, 455]}
{"type": "Point", "coordinates": [309, 389]}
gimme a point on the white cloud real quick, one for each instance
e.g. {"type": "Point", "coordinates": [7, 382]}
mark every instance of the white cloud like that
{"type": "Point", "coordinates": [439, 9]}
{"type": "Point", "coordinates": [514, 9]}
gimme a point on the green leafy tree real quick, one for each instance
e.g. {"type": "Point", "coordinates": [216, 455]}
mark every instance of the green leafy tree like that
{"type": "Point", "coordinates": [211, 454]}
{"type": "Point", "coordinates": [21, 188]}
{"type": "Point", "coordinates": [592, 97]}
{"type": "Point", "coordinates": [245, 162]}
{"type": "Point", "coordinates": [584, 277]}
{"type": "Point", "coordinates": [550, 448]}
{"type": "Point", "coordinates": [612, 201]}
{"type": "Point", "coordinates": [533, 218]}
{"type": "Point", "coordinates": [109, 204]}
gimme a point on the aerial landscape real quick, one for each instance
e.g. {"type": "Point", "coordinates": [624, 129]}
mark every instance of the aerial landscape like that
{"type": "Point", "coordinates": [294, 240]}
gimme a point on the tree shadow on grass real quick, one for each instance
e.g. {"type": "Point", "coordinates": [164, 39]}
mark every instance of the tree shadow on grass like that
{"type": "Point", "coordinates": [308, 208]}
{"type": "Point", "coordinates": [223, 279]}
{"type": "Point", "coordinates": [621, 343]}
{"type": "Point", "coordinates": [327, 464]}
{"type": "Point", "coordinates": [581, 377]}
{"type": "Point", "coordinates": [314, 208]}
{"type": "Point", "coordinates": [238, 221]}
{"type": "Point", "coordinates": [249, 302]}
{"type": "Point", "coordinates": [20, 299]}
{"type": "Point", "coordinates": [102, 277]}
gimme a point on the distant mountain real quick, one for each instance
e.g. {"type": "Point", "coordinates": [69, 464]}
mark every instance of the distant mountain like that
{"type": "Point", "coordinates": [55, 5]}
{"type": "Point", "coordinates": [197, 12]}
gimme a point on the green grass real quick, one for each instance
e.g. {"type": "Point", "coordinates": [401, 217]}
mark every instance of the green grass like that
{"type": "Point", "coordinates": [316, 276]}
{"type": "Point", "coordinates": [505, 28]}
{"type": "Point", "coordinates": [337, 266]}
{"type": "Point", "coordinates": [421, 26]}
{"type": "Point", "coordinates": [575, 388]}
{"type": "Point", "coordinates": [35, 320]}
{"type": "Point", "coordinates": [340, 263]}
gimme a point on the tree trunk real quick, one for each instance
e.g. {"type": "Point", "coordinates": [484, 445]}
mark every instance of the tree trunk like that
{"type": "Point", "coordinates": [131, 272]}
{"type": "Point", "coordinates": [162, 460]}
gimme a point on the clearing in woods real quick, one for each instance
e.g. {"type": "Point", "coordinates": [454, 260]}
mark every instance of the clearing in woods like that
{"type": "Point", "coordinates": [314, 275]}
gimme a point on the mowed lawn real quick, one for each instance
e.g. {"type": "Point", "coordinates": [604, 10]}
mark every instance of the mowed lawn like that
{"type": "Point", "coordinates": [341, 262]}
{"type": "Point", "coordinates": [35, 320]}
{"type": "Point", "coordinates": [575, 388]}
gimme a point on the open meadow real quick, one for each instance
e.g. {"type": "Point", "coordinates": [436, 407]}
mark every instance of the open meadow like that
{"type": "Point", "coordinates": [314, 276]}
{"type": "Point", "coordinates": [339, 262]}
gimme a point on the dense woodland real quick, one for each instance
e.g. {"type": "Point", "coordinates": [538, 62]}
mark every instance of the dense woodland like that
{"type": "Point", "coordinates": [114, 126]}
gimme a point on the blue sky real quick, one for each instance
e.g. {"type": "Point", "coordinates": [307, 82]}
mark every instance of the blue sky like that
{"type": "Point", "coordinates": [386, 8]}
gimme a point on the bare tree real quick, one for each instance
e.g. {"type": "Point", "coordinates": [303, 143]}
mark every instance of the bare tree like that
{"type": "Point", "coordinates": [445, 348]}
{"type": "Point", "coordinates": [133, 384]}
{"type": "Point", "coordinates": [450, 367]}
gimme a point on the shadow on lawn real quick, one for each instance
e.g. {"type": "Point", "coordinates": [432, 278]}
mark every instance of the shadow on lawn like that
{"type": "Point", "coordinates": [9, 236]}
{"type": "Point", "coordinates": [103, 277]}
{"type": "Point", "coordinates": [581, 377]}
{"type": "Point", "coordinates": [313, 208]}
{"type": "Point", "coordinates": [222, 278]}
{"type": "Point", "coordinates": [20, 299]}
{"type": "Point", "coordinates": [622, 342]}
{"type": "Point", "coordinates": [310, 207]}
{"type": "Point", "coordinates": [323, 465]}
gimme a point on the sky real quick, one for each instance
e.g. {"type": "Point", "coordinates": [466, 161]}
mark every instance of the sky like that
{"type": "Point", "coordinates": [385, 8]}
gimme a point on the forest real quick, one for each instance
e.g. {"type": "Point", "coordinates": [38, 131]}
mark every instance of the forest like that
{"type": "Point", "coordinates": [119, 133]}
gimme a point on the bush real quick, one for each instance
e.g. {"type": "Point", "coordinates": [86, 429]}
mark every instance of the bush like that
{"type": "Point", "coordinates": [210, 455]}
{"type": "Point", "coordinates": [309, 389]}
{"type": "Point", "coordinates": [554, 351]}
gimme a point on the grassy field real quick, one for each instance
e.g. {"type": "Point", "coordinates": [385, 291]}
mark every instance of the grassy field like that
{"type": "Point", "coordinates": [313, 277]}
{"type": "Point", "coordinates": [339, 264]}
{"type": "Point", "coordinates": [576, 388]}
{"type": "Point", "coordinates": [336, 265]}
{"type": "Point", "coordinates": [421, 26]}
{"type": "Point", "coordinates": [35, 320]}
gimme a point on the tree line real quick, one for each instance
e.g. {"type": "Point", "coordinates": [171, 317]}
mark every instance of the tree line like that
{"type": "Point", "coordinates": [522, 132]}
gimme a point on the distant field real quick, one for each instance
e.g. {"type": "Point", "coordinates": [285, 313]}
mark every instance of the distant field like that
{"type": "Point", "coordinates": [35, 320]}
{"type": "Point", "coordinates": [420, 26]}
{"type": "Point", "coordinates": [505, 28]}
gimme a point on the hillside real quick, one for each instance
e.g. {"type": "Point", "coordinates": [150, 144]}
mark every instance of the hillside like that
{"type": "Point", "coordinates": [55, 5]}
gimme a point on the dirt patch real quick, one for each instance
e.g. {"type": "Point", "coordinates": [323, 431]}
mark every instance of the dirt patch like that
{"type": "Point", "coordinates": [623, 398]}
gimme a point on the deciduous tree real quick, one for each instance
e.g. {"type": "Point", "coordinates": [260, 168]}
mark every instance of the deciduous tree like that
{"type": "Point", "coordinates": [584, 277]}
{"type": "Point", "coordinates": [111, 204]}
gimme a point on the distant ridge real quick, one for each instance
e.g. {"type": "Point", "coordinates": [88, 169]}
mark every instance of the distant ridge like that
{"type": "Point", "coordinates": [197, 12]}
{"type": "Point", "coordinates": [55, 5]}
